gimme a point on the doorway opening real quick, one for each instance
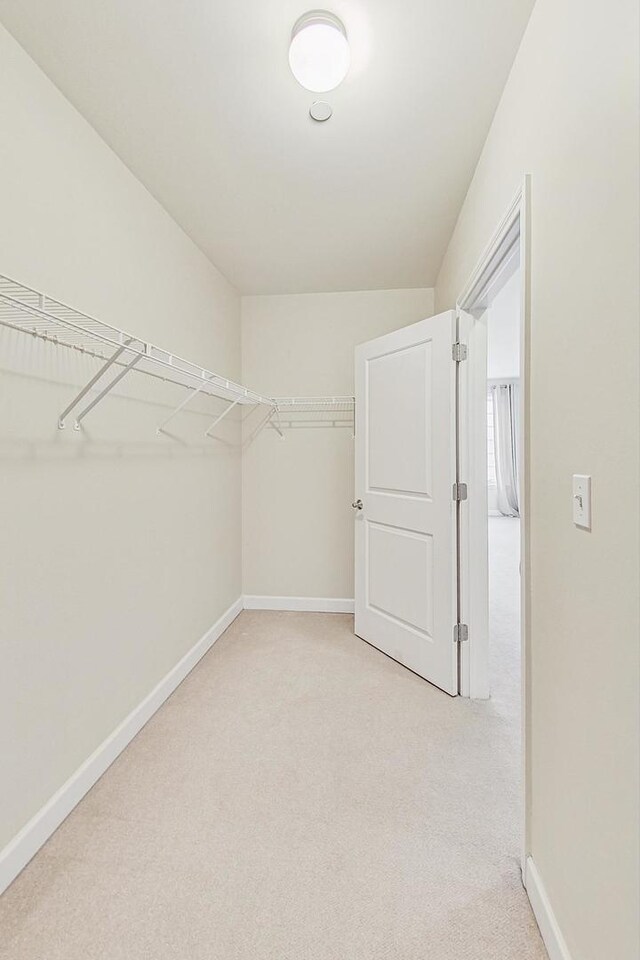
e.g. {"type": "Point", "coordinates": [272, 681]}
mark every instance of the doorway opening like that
{"type": "Point", "coordinates": [504, 462]}
{"type": "Point", "coordinates": [493, 315]}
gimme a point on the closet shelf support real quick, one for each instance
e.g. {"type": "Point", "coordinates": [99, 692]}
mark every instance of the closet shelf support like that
{"type": "Point", "coordinates": [106, 390]}
{"type": "Point", "coordinates": [276, 426]}
{"type": "Point", "coordinates": [96, 378]}
{"type": "Point", "coordinates": [181, 406]}
{"type": "Point", "coordinates": [218, 419]}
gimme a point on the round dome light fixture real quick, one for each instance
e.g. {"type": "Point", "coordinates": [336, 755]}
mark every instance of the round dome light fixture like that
{"type": "Point", "coordinates": [319, 54]}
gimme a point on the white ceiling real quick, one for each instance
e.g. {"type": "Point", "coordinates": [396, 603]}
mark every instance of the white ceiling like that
{"type": "Point", "coordinates": [197, 99]}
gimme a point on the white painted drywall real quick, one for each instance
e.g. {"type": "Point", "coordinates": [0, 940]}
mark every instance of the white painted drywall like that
{"type": "Point", "coordinates": [198, 99]}
{"type": "Point", "coordinates": [119, 548]}
{"type": "Point", "coordinates": [503, 332]}
{"type": "Point", "coordinates": [569, 117]}
{"type": "Point", "coordinates": [297, 492]}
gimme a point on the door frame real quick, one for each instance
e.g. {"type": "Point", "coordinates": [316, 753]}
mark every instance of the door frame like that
{"type": "Point", "coordinates": [511, 238]}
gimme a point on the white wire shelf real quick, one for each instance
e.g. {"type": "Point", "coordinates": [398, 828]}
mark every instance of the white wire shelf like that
{"type": "Point", "coordinates": [32, 312]}
{"type": "Point", "coordinates": [29, 311]}
{"type": "Point", "coordinates": [297, 412]}
{"type": "Point", "coordinates": [313, 404]}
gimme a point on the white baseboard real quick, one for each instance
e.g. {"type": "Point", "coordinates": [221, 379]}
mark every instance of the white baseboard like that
{"type": "Point", "coordinates": [309, 604]}
{"type": "Point", "coordinates": [37, 831]}
{"type": "Point", "coordinates": [543, 912]}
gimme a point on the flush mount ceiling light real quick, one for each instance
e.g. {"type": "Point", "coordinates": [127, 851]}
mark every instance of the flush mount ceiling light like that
{"type": "Point", "coordinates": [319, 54]}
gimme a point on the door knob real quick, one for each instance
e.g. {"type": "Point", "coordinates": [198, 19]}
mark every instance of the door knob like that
{"type": "Point", "coordinates": [357, 504]}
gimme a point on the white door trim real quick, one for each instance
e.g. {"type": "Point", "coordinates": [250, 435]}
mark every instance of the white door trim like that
{"type": "Point", "coordinates": [512, 237]}
{"type": "Point", "coordinates": [474, 566]}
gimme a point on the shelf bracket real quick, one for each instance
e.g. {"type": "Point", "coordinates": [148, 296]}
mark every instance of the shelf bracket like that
{"type": "Point", "coordinates": [277, 427]}
{"type": "Point", "coordinates": [101, 372]}
{"type": "Point", "coordinates": [217, 420]}
{"type": "Point", "coordinates": [181, 406]}
{"type": "Point", "coordinates": [106, 390]}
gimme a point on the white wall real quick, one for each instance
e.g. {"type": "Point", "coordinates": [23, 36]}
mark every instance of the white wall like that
{"type": "Point", "coordinates": [569, 117]}
{"type": "Point", "coordinates": [297, 514]}
{"type": "Point", "coordinates": [503, 348]}
{"type": "Point", "coordinates": [503, 332]}
{"type": "Point", "coordinates": [119, 549]}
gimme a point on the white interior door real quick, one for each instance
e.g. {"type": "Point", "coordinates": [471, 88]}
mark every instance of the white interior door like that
{"type": "Point", "coordinates": [405, 531]}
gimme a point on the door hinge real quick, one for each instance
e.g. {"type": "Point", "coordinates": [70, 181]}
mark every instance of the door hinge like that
{"type": "Point", "coordinates": [459, 351]}
{"type": "Point", "coordinates": [460, 633]}
{"type": "Point", "coordinates": [459, 491]}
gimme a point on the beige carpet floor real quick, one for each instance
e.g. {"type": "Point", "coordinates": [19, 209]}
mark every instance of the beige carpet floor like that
{"type": "Point", "coordinates": [300, 797]}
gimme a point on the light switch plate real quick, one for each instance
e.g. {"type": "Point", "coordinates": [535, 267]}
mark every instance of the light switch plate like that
{"type": "Point", "coordinates": [582, 501]}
